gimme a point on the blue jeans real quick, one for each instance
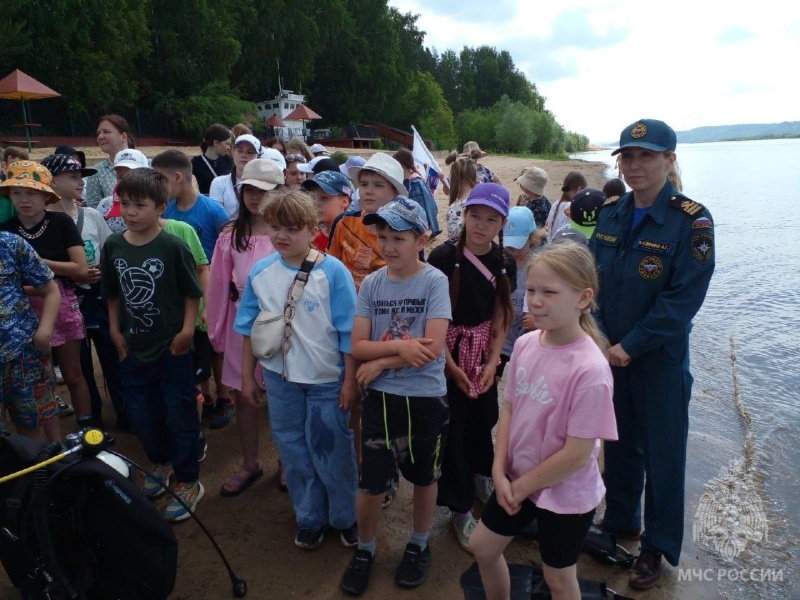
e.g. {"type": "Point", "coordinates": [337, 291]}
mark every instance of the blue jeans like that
{"type": "Point", "coordinates": [315, 443]}
{"type": "Point", "coordinates": [163, 412]}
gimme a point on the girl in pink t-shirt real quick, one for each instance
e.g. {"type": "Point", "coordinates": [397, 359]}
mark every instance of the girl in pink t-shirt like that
{"type": "Point", "coordinates": [558, 407]}
{"type": "Point", "coordinates": [240, 245]}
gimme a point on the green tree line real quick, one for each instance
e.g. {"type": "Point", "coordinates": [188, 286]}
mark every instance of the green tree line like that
{"type": "Point", "coordinates": [202, 61]}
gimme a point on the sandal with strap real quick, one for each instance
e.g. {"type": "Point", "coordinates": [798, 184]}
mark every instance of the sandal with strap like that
{"type": "Point", "coordinates": [236, 483]}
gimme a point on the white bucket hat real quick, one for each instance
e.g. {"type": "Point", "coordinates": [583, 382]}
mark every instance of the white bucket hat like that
{"type": "Point", "coordinates": [385, 166]}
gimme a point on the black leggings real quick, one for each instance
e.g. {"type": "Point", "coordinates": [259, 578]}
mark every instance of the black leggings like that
{"type": "Point", "coordinates": [469, 449]}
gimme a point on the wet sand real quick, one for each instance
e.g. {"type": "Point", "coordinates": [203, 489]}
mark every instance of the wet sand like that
{"type": "Point", "coordinates": [256, 529]}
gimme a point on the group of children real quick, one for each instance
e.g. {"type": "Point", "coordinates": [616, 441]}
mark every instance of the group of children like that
{"type": "Point", "coordinates": [392, 365]}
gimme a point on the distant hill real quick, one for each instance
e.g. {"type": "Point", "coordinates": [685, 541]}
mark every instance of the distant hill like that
{"type": "Point", "coordinates": [720, 133]}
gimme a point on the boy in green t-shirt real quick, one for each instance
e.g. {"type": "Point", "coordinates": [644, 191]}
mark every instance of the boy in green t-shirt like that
{"type": "Point", "coordinates": [150, 282]}
{"type": "Point", "coordinates": [202, 352]}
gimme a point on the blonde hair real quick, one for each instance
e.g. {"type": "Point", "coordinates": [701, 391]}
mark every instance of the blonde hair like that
{"type": "Point", "coordinates": [575, 265]}
{"type": "Point", "coordinates": [463, 175]}
{"type": "Point", "coordinates": [674, 173]}
{"type": "Point", "coordinates": [290, 208]}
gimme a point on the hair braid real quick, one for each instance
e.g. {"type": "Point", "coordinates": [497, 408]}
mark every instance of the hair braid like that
{"type": "Point", "coordinates": [504, 286]}
{"type": "Point", "coordinates": [455, 274]}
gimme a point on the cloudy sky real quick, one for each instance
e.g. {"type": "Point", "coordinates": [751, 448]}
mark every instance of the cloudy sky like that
{"type": "Point", "coordinates": [602, 64]}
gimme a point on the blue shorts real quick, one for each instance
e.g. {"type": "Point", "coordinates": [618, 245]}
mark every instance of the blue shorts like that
{"type": "Point", "coordinates": [28, 388]}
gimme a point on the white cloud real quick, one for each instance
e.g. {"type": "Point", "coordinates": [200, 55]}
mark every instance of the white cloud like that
{"type": "Point", "coordinates": [602, 64]}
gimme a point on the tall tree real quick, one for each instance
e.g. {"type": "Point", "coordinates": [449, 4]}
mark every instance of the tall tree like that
{"type": "Point", "coordinates": [194, 43]}
{"type": "Point", "coordinates": [423, 104]}
{"type": "Point", "coordinates": [84, 49]}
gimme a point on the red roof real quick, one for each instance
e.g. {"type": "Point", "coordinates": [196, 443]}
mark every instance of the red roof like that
{"type": "Point", "coordinates": [19, 86]}
{"type": "Point", "coordinates": [302, 113]}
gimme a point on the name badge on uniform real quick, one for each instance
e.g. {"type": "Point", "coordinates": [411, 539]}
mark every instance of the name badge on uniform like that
{"type": "Point", "coordinates": [605, 238]}
{"type": "Point", "coordinates": [653, 246]}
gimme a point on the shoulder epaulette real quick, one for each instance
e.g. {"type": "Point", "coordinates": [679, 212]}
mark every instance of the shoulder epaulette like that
{"type": "Point", "coordinates": [609, 201]}
{"type": "Point", "coordinates": [687, 205]}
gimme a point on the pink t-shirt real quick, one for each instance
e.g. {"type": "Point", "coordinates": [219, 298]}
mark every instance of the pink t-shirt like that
{"type": "Point", "coordinates": [557, 391]}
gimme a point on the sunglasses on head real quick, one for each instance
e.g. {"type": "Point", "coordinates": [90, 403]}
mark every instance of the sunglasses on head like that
{"type": "Point", "coordinates": [290, 158]}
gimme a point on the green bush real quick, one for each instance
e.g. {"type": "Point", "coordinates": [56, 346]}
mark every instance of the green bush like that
{"type": "Point", "coordinates": [514, 131]}
{"type": "Point", "coordinates": [477, 125]}
{"type": "Point", "coordinates": [216, 103]}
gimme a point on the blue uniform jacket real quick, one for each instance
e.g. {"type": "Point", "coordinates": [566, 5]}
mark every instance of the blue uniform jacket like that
{"type": "Point", "coordinates": [653, 279]}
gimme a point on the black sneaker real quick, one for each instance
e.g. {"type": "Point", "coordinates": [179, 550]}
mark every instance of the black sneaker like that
{"type": "Point", "coordinates": [356, 575]}
{"type": "Point", "coordinates": [88, 421]}
{"type": "Point", "coordinates": [223, 413]}
{"type": "Point", "coordinates": [413, 569]}
{"type": "Point", "coordinates": [64, 409]}
{"type": "Point", "coordinates": [349, 536]}
{"type": "Point", "coordinates": [309, 539]}
{"type": "Point", "coordinates": [202, 447]}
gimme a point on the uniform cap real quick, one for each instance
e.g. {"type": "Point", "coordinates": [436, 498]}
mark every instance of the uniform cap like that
{"type": "Point", "coordinates": [647, 133]}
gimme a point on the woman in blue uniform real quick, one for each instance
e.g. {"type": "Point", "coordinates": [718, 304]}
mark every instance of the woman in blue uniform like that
{"type": "Point", "coordinates": [655, 252]}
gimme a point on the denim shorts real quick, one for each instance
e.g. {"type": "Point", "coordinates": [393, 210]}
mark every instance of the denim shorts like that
{"type": "Point", "coordinates": [28, 389]}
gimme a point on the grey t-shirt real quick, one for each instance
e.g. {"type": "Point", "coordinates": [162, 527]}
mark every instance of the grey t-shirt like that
{"type": "Point", "coordinates": [400, 310]}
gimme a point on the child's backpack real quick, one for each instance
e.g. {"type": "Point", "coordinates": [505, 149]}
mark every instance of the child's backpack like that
{"type": "Point", "coordinates": [80, 529]}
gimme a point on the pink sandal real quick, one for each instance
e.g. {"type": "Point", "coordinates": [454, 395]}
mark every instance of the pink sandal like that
{"type": "Point", "coordinates": [236, 483]}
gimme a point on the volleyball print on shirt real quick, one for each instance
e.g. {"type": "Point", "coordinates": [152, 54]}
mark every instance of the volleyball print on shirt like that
{"type": "Point", "coordinates": [138, 284]}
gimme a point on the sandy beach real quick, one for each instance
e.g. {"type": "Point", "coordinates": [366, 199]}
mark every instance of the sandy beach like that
{"type": "Point", "coordinates": [256, 529]}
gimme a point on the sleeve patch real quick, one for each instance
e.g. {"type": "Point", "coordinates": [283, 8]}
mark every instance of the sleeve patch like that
{"type": "Point", "coordinates": [702, 246]}
{"type": "Point", "coordinates": [702, 223]}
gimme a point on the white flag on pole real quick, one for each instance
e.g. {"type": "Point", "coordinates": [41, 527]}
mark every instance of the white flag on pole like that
{"type": "Point", "coordinates": [423, 156]}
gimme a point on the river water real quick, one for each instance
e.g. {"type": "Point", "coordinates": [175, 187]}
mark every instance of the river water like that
{"type": "Point", "coordinates": [743, 473]}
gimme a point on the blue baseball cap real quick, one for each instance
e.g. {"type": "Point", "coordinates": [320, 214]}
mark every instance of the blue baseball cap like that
{"type": "Point", "coordinates": [519, 227]}
{"type": "Point", "coordinates": [401, 214]}
{"type": "Point", "coordinates": [332, 183]}
{"type": "Point", "coordinates": [647, 133]}
{"type": "Point", "coordinates": [489, 194]}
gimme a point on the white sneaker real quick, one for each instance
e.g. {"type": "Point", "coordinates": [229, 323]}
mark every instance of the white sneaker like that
{"type": "Point", "coordinates": [464, 529]}
{"type": "Point", "coordinates": [484, 487]}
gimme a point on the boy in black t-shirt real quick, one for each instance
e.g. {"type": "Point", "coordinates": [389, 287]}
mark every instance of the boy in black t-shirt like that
{"type": "Point", "coordinates": [150, 282]}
